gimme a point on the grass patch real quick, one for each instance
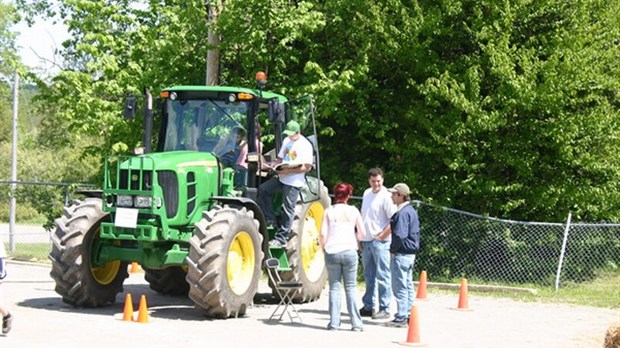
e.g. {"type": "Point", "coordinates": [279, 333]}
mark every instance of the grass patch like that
{"type": "Point", "coordinates": [39, 220]}
{"type": "Point", "coordinates": [603, 291]}
{"type": "Point", "coordinates": [33, 252]}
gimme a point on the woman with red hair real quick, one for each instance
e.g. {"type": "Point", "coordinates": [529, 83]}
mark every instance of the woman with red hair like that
{"type": "Point", "coordinates": [342, 228]}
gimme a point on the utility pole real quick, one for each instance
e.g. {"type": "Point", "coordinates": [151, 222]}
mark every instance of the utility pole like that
{"type": "Point", "coordinates": [213, 41]}
{"type": "Point", "coordinates": [13, 164]}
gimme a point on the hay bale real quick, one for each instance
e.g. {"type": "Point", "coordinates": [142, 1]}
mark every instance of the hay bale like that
{"type": "Point", "coordinates": [612, 337]}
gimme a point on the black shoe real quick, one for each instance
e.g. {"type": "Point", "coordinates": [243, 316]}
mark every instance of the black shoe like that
{"type": "Point", "coordinates": [7, 323]}
{"type": "Point", "coordinates": [366, 312]}
{"type": "Point", "coordinates": [397, 323]}
{"type": "Point", "coordinates": [381, 315]}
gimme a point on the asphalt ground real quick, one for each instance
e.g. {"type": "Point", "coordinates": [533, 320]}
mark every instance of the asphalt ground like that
{"type": "Point", "coordinates": [41, 319]}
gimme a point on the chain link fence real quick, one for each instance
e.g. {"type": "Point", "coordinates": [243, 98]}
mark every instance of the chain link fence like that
{"type": "Point", "coordinates": [493, 251]}
{"type": "Point", "coordinates": [459, 244]}
{"type": "Point", "coordinates": [30, 241]}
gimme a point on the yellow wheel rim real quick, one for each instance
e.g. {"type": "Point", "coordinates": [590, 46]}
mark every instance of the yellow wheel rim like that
{"type": "Point", "coordinates": [312, 257]}
{"type": "Point", "coordinates": [240, 263]}
{"type": "Point", "coordinates": [105, 274]}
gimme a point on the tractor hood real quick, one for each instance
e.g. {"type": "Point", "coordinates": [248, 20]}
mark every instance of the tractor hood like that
{"type": "Point", "coordinates": [174, 160]}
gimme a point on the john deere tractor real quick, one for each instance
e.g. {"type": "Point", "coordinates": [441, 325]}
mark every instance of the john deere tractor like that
{"type": "Point", "coordinates": [187, 212]}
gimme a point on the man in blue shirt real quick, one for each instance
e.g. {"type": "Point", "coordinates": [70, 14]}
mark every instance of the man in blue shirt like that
{"type": "Point", "coordinates": [405, 227]}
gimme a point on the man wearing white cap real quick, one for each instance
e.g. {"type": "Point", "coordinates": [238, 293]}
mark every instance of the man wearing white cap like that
{"type": "Point", "coordinates": [296, 151]}
{"type": "Point", "coordinates": [405, 227]}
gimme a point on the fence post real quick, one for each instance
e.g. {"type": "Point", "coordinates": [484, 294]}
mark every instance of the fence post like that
{"type": "Point", "coordinates": [562, 252]}
{"type": "Point", "coordinates": [12, 202]}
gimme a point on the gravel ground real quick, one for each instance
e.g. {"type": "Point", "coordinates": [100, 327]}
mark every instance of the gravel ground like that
{"type": "Point", "coordinates": [43, 320]}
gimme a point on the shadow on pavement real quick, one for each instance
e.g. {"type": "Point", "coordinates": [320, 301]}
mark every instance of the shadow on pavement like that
{"type": "Point", "coordinates": [159, 306]}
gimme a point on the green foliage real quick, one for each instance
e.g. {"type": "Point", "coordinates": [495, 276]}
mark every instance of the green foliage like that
{"type": "Point", "coordinates": [8, 50]}
{"type": "Point", "coordinates": [36, 164]}
{"type": "Point", "coordinates": [24, 213]}
{"type": "Point", "coordinates": [38, 161]}
{"type": "Point", "coordinates": [506, 108]}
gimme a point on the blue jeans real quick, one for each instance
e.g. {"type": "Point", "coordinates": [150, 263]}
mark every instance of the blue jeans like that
{"type": "Point", "coordinates": [376, 261]}
{"type": "Point", "coordinates": [343, 265]}
{"type": "Point", "coordinates": [402, 283]}
{"type": "Point", "coordinates": [290, 194]}
{"type": "Point", "coordinates": [241, 176]}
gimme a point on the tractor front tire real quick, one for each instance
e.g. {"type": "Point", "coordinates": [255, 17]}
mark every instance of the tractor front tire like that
{"type": "Point", "coordinates": [224, 262]}
{"type": "Point", "coordinates": [74, 243]}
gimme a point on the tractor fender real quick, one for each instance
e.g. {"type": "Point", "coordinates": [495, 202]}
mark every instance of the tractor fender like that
{"type": "Point", "coordinates": [250, 205]}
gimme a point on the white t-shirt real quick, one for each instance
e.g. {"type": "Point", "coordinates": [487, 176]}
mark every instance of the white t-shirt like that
{"type": "Point", "coordinates": [338, 229]}
{"type": "Point", "coordinates": [295, 151]}
{"type": "Point", "coordinates": [377, 209]}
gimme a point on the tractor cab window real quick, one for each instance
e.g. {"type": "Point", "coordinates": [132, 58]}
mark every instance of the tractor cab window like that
{"type": "Point", "coordinates": [215, 126]}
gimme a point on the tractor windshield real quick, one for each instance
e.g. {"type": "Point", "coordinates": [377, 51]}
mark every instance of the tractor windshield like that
{"type": "Point", "coordinates": [214, 126]}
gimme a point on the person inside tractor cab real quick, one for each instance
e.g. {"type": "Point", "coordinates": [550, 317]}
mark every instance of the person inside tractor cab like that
{"type": "Point", "coordinates": [229, 146]}
{"type": "Point", "coordinates": [294, 160]}
{"type": "Point", "coordinates": [241, 165]}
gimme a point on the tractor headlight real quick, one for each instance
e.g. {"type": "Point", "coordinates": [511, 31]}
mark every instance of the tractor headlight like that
{"type": "Point", "coordinates": [124, 201]}
{"type": "Point", "coordinates": [143, 201]}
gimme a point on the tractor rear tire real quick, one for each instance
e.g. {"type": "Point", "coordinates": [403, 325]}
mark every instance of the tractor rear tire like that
{"type": "Point", "coordinates": [167, 281]}
{"type": "Point", "coordinates": [73, 243]}
{"type": "Point", "coordinates": [305, 255]}
{"type": "Point", "coordinates": [224, 262]}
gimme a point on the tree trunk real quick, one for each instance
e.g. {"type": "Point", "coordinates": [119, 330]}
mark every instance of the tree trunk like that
{"type": "Point", "coordinates": [213, 41]}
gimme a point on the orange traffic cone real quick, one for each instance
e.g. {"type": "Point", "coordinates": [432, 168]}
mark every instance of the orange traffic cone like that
{"type": "Point", "coordinates": [128, 310]}
{"type": "Point", "coordinates": [413, 331]}
{"type": "Point", "coordinates": [421, 295]}
{"type": "Point", "coordinates": [134, 268]}
{"type": "Point", "coordinates": [143, 314]}
{"type": "Point", "coordinates": [463, 301]}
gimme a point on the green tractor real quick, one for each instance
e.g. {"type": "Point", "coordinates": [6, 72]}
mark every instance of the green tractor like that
{"type": "Point", "coordinates": [187, 212]}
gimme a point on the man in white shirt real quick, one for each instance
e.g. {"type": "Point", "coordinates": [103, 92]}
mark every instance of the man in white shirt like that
{"type": "Point", "coordinates": [377, 208]}
{"type": "Point", "coordinates": [296, 152]}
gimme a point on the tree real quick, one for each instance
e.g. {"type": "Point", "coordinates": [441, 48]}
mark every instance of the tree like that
{"type": "Point", "coordinates": [506, 108]}
{"type": "Point", "coordinates": [8, 60]}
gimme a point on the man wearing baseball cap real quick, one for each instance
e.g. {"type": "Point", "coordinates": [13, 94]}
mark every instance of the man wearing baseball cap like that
{"type": "Point", "coordinates": [405, 227]}
{"type": "Point", "coordinates": [296, 152]}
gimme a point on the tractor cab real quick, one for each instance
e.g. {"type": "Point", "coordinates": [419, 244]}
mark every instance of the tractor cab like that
{"type": "Point", "coordinates": [241, 127]}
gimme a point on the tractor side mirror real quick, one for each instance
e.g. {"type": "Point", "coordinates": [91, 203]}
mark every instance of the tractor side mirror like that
{"type": "Point", "coordinates": [276, 111]}
{"type": "Point", "coordinates": [131, 105]}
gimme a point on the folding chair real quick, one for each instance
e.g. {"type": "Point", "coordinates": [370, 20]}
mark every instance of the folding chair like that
{"type": "Point", "coordinates": [285, 290]}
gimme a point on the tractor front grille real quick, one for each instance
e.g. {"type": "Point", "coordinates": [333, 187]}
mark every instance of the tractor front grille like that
{"type": "Point", "coordinates": [169, 183]}
{"type": "Point", "coordinates": [135, 180]}
{"type": "Point", "coordinates": [191, 192]}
